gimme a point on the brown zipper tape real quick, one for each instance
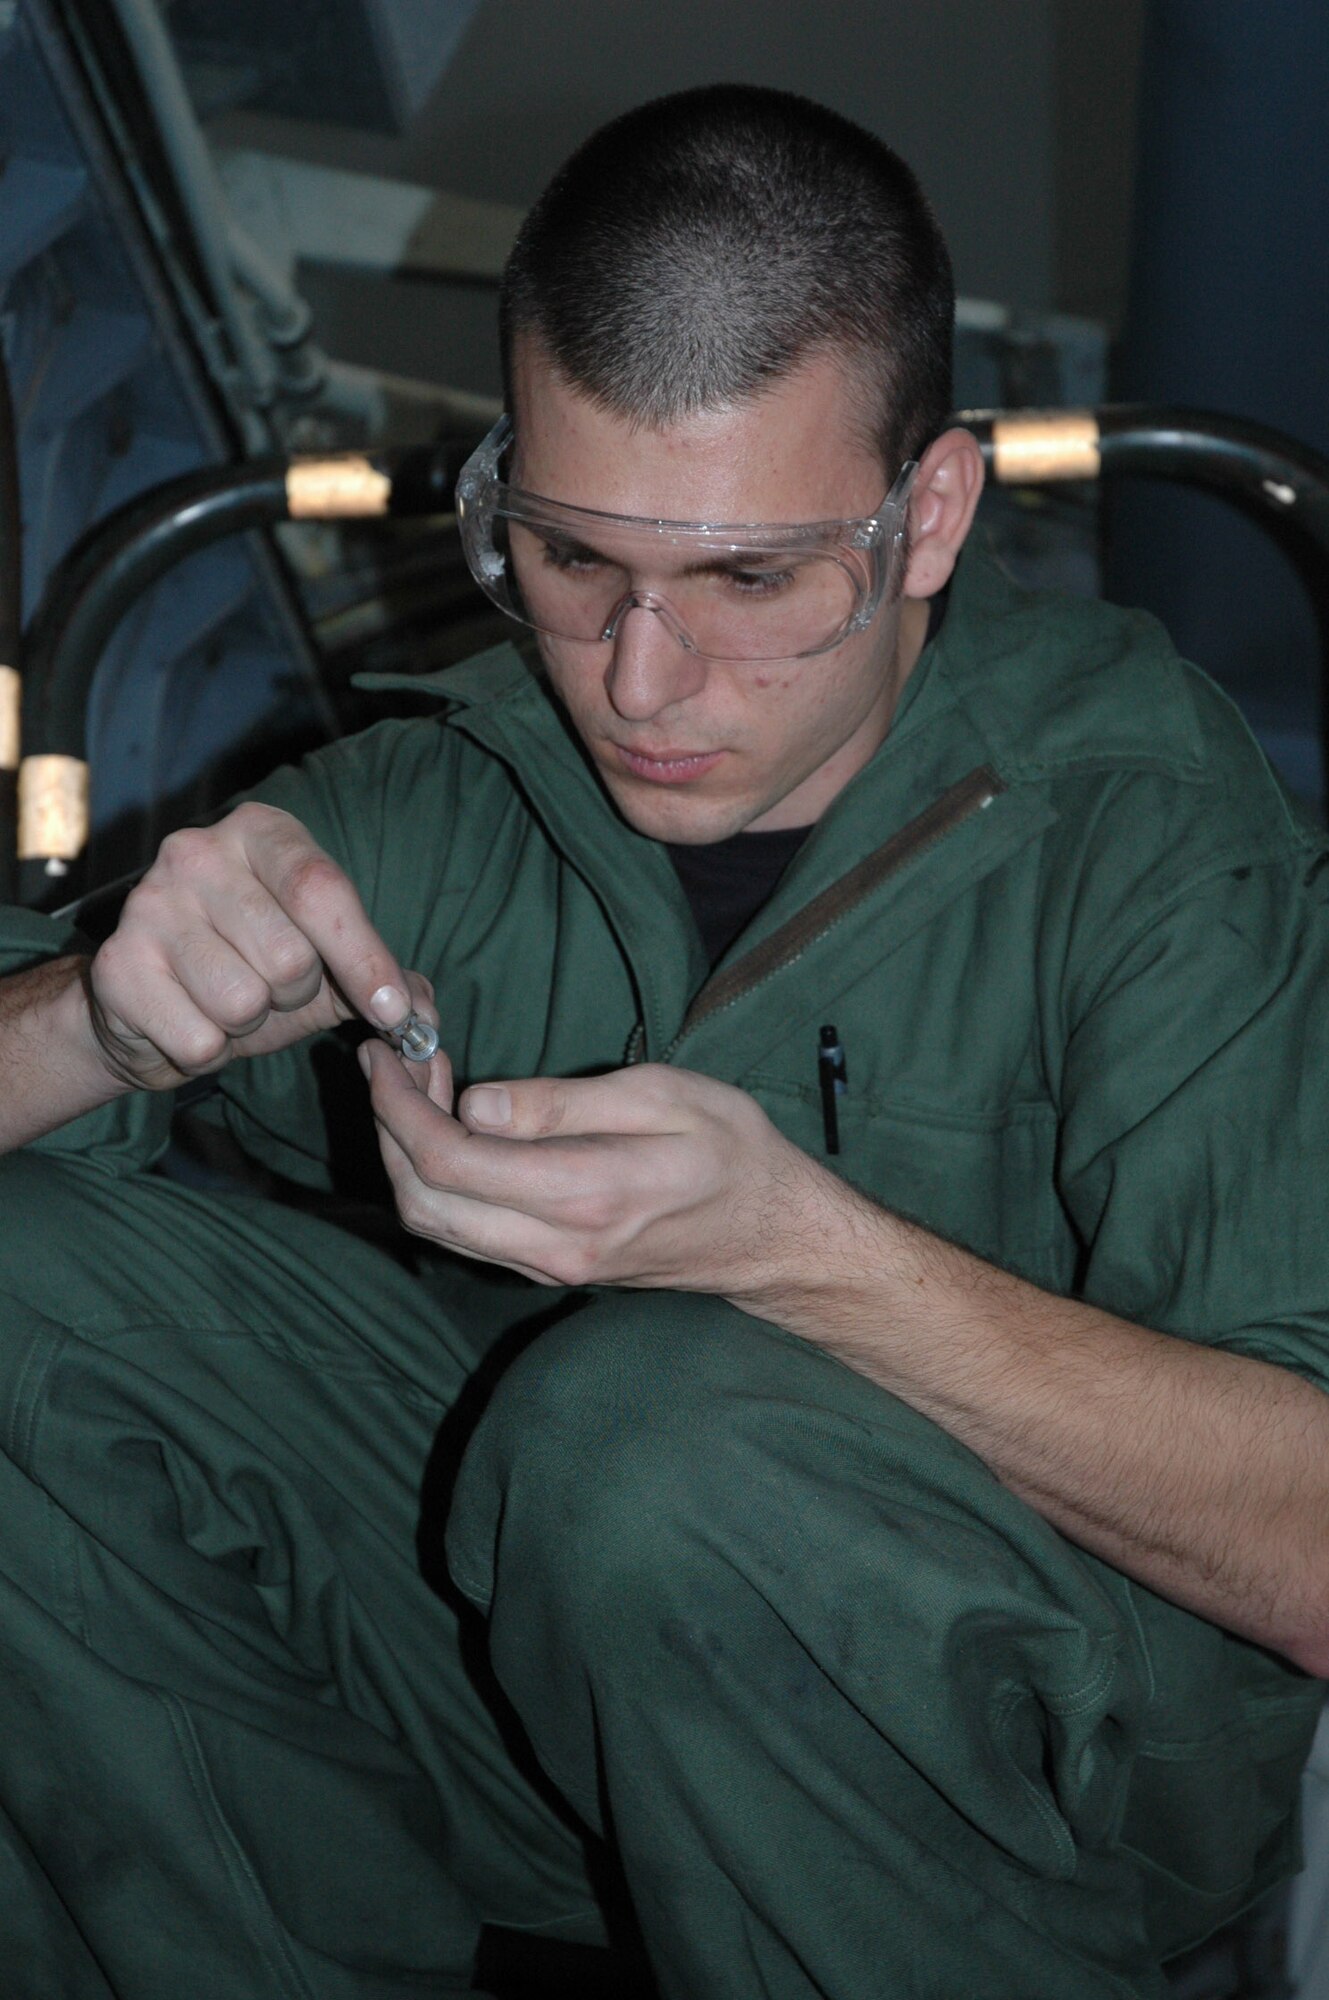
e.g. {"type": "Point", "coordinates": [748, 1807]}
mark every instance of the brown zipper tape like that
{"type": "Point", "coordinates": [52, 808]}
{"type": "Point", "coordinates": [1046, 444]}
{"type": "Point", "coordinates": [346, 488]}
{"type": "Point", "coordinates": [11, 705]}
{"type": "Point", "coordinates": [955, 805]}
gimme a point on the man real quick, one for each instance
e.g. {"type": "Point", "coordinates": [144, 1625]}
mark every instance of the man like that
{"type": "Point", "coordinates": [892, 1010]}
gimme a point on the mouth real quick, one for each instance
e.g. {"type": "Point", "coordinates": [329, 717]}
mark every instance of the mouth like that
{"type": "Point", "coordinates": [667, 767]}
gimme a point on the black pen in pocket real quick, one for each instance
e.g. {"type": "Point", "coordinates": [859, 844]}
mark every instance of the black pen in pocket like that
{"type": "Point", "coordinates": [834, 1080]}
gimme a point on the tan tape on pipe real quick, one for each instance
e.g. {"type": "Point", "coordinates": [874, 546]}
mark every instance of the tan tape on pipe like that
{"type": "Point", "coordinates": [52, 808]}
{"type": "Point", "coordinates": [11, 707]}
{"type": "Point", "coordinates": [1045, 444]}
{"type": "Point", "coordinates": [336, 489]}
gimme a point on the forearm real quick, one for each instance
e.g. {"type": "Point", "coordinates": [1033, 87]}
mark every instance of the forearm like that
{"type": "Point", "coordinates": [1201, 1473]}
{"type": "Point", "coordinates": [49, 1056]}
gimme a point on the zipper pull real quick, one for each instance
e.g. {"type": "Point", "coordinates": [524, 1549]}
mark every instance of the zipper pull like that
{"type": "Point", "coordinates": [833, 1076]}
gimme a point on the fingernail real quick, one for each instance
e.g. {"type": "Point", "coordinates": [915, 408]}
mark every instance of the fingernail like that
{"type": "Point", "coordinates": [389, 1007]}
{"type": "Point", "coordinates": [488, 1104]}
{"type": "Point", "coordinates": [363, 1058]}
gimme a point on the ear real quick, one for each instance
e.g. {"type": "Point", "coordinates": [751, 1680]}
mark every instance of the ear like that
{"type": "Point", "coordinates": [941, 510]}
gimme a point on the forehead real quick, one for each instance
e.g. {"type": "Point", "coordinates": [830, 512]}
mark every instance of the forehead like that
{"type": "Point", "coordinates": [794, 453]}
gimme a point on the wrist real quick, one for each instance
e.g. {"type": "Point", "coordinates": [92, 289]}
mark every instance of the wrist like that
{"type": "Point", "coordinates": [69, 1028]}
{"type": "Point", "coordinates": [827, 1255]}
{"type": "Point", "coordinates": [54, 1068]}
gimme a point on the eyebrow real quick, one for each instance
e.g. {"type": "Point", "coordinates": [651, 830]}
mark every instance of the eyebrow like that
{"type": "Point", "coordinates": [752, 560]}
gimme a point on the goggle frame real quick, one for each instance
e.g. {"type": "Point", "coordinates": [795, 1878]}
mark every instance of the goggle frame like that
{"type": "Point", "coordinates": [482, 497]}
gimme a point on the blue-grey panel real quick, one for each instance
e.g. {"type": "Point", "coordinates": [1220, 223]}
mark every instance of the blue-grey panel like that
{"type": "Point", "coordinates": [353, 62]}
{"type": "Point", "coordinates": [41, 202]}
{"type": "Point", "coordinates": [108, 407]}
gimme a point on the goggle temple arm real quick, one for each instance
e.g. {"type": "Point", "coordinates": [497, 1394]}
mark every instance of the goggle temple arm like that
{"type": "Point", "coordinates": [886, 534]}
{"type": "Point", "coordinates": [474, 497]}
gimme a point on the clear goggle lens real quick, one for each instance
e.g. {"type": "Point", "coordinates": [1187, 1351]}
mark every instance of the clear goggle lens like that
{"type": "Point", "coordinates": [727, 593]}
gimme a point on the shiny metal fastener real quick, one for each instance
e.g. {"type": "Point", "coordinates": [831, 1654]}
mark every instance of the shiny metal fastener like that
{"type": "Point", "coordinates": [415, 1039]}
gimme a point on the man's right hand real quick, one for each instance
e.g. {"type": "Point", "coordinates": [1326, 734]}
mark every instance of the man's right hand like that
{"type": "Point", "coordinates": [241, 938]}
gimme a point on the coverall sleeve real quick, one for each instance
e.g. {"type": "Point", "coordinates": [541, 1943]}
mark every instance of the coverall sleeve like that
{"type": "Point", "coordinates": [1195, 1128]}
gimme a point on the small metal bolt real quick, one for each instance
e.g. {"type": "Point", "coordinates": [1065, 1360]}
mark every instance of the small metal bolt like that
{"type": "Point", "coordinates": [415, 1039]}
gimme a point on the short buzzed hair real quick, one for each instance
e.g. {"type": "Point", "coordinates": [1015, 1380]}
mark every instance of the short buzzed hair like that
{"type": "Point", "coordinates": [700, 247]}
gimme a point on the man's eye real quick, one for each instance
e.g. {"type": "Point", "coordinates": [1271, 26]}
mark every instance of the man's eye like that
{"type": "Point", "coordinates": [570, 561]}
{"type": "Point", "coordinates": [759, 582]}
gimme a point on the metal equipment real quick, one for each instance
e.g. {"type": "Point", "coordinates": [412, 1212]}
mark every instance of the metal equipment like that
{"type": "Point", "coordinates": [1278, 480]}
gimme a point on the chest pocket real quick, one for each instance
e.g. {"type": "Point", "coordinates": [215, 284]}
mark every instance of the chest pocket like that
{"type": "Point", "coordinates": [984, 1180]}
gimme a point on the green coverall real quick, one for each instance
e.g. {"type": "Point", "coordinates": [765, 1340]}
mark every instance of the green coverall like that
{"type": "Point", "coordinates": [851, 1718]}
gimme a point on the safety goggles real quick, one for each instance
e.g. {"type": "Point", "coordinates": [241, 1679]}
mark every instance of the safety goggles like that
{"type": "Point", "coordinates": [755, 592]}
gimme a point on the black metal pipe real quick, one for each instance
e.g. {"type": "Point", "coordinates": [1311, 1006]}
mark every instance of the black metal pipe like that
{"type": "Point", "coordinates": [111, 567]}
{"type": "Point", "coordinates": [124, 555]}
{"type": "Point", "coordinates": [106, 571]}
{"type": "Point", "coordinates": [1276, 480]}
{"type": "Point", "coordinates": [1284, 481]}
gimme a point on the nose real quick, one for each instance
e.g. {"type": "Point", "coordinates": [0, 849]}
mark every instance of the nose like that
{"type": "Point", "coordinates": [650, 669]}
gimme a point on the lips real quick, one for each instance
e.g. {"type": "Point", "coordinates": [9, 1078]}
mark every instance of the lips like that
{"type": "Point", "coordinates": [667, 767]}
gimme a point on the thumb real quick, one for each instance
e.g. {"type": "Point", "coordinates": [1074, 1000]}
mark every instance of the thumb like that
{"type": "Point", "coordinates": [544, 1107]}
{"type": "Point", "coordinates": [487, 1107]}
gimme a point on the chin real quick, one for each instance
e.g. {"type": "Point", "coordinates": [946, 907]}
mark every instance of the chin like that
{"type": "Point", "coordinates": [684, 821]}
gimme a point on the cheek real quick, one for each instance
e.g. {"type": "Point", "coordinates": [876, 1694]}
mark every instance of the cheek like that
{"type": "Point", "coordinates": [575, 681]}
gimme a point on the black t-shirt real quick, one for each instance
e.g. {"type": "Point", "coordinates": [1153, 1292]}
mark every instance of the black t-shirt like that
{"type": "Point", "coordinates": [727, 881]}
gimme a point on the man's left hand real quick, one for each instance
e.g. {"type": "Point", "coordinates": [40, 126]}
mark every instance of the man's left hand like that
{"type": "Point", "coordinates": [649, 1176]}
{"type": "Point", "coordinates": [1200, 1472]}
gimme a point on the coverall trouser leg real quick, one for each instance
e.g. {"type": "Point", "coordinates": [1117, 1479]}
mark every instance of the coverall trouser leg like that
{"type": "Point", "coordinates": [856, 1721]}
{"type": "Point", "coordinates": [860, 1723]}
{"type": "Point", "coordinates": [241, 1752]}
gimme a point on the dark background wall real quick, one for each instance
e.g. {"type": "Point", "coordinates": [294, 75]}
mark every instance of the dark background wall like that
{"type": "Point", "coordinates": [1017, 115]}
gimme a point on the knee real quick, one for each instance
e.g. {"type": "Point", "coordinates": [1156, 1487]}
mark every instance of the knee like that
{"type": "Point", "coordinates": [653, 1453]}
{"type": "Point", "coordinates": [611, 1454]}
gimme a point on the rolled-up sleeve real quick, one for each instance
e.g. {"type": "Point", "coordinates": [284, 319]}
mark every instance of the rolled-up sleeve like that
{"type": "Point", "coordinates": [1194, 1154]}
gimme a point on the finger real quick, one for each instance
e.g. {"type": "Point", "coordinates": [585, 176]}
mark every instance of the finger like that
{"type": "Point", "coordinates": [420, 994]}
{"type": "Point", "coordinates": [432, 1079]}
{"type": "Point", "coordinates": [149, 986]}
{"type": "Point", "coordinates": [475, 1229]}
{"type": "Point", "coordinates": [323, 904]}
{"type": "Point", "coordinates": [143, 1004]}
{"type": "Point", "coordinates": [439, 1086]}
{"type": "Point", "coordinates": [647, 1098]}
{"type": "Point", "coordinates": [549, 1181]}
{"type": "Point", "coordinates": [197, 869]}
{"type": "Point", "coordinates": [411, 1099]}
{"type": "Point", "coordinates": [221, 981]}
{"type": "Point", "coordinates": [254, 923]}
